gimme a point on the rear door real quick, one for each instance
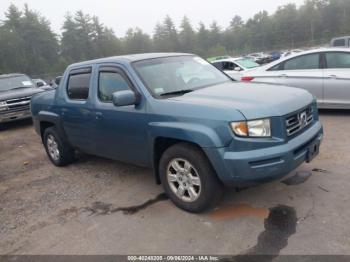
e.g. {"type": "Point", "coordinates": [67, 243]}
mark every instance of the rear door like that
{"type": "Point", "coordinates": [76, 109]}
{"type": "Point", "coordinates": [304, 72]}
{"type": "Point", "coordinates": [337, 79]}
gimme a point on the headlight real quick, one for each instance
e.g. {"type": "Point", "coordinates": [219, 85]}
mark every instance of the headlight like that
{"type": "Point", "coordinates": [255, 128]}
{"type": "Point", "coordinates": [3, 106]}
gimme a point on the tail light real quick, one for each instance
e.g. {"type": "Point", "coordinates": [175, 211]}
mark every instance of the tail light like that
{"type": "Point", "coordinates": [247, 78]}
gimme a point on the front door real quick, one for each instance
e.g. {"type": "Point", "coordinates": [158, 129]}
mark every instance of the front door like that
{"type": "Point", "coordinates": [120, 132]}
{"type": "Point", "coordinates": [337, 79]}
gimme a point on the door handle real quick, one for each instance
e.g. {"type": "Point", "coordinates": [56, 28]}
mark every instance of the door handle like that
{"type": "Point", "coordinates": [283, 75]}
{"type": "Point", "coordinates": [63, 111]}
{"type": "Point", "coordinates": [332, 76]}
{"type": "Point", "coordinates": [98, 115]}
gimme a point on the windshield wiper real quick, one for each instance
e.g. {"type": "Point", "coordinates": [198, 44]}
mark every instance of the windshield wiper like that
{"type": "Point", "coordinates": [179, 92]}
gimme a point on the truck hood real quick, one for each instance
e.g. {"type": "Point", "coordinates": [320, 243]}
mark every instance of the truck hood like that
{"type": "Point", "coordinates": [253, 100]}
{"type": "Point", "coordinates": [18, 93]}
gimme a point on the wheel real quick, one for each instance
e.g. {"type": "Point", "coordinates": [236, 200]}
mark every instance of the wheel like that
{"type": "Point", "coordinates": [189, 179]}
{"type": "Point", "coordinates": [58, 150]}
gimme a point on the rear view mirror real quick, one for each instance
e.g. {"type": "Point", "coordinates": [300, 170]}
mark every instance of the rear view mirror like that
{"type": "Point", "coordinates": [124, 98]}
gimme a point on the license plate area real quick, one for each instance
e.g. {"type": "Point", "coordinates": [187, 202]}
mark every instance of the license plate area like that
{"type": "Point", "coordinates": [312, 151]}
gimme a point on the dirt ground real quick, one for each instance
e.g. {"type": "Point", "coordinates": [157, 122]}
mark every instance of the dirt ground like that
{"type": "Point", "coordinates": [98, 206]}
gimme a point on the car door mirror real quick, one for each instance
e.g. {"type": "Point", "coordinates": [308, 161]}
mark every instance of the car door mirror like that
{"type": "Point", "coordinates": [125, 98]}
{"type": "Point", "coordinates": [237, 68]}
{"type": "Point", "coordinates": [39, 84]}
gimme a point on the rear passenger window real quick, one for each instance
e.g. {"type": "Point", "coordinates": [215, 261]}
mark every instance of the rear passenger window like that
{"type": "Point", "coordinates": [338, 60]}
{"type": "Point", "coordinates": [310, 61]}
{"type": "Point", "coordinates": [218, 65]}
{"type": "Point", "coordinates": [78, 86]}
{"type": "Point", "coordinates": [110, 82]}
{"type": "Point", "coordinates": [228, 66]}
{"type": "Point", "coordinates": [339, 42]}
{"type": "Point", "coordinates": [275, 68]}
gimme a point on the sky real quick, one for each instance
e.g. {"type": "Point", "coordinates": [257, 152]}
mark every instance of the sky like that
{"type": "Point", "coordinates": [123, 14]}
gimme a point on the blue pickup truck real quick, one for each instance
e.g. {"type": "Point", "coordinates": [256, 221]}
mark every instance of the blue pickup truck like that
{"type": "Point", "coordinates": [176, 113]}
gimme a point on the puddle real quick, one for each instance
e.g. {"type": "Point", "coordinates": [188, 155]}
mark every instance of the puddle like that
{"type": "Point", "coordinates": [239, 210]}
{"type": "Point", "coordinates": [279, 226]}
{"type": "Point", "coordinates": [101, 208]}
{"type": "Point", "coordinates": [300, 178]}
{"type": "Point", "coordinates": [319, 170]}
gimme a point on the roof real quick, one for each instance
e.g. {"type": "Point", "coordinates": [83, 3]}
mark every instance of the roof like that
{"type": "Point", "coordinates": [318, 50]}
{"type": "Point", "coordinates": [10, 75]}
{"type": "Point", "coordinates": [129, 58]}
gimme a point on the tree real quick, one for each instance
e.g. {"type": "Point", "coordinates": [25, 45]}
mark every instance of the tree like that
{"type": "Point", "coordinates": [27, 42]}
{"type": "Point", "coordinates": [136, 41]}
{"type": "Point", "coordinates": [84, 37]}
{"type": "Point", "coordinates": [187, 36]}
{"type": "Point", "coordinates": [202, 40]}
{"type": "Point", "coordinates": [165, 36]}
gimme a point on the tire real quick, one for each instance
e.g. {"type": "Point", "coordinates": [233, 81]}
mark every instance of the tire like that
{"type": "Point", "coordinates": [58, 150]}
{"type": "Point", "coordinates": [192, 195]}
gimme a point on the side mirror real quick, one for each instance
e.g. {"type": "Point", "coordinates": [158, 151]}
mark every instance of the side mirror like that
{"type": "Point", "coordinates": [125, 98]}
{"type": "Point", "coordinates": [39, 84]}
{"type": "Point", "coordinates": [237, 68]}
{"type": "Point", "coordinates": [58, 80]}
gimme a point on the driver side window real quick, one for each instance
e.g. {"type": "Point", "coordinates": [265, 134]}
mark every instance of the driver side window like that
{"type": "Point", "coordinates": [110, 82]}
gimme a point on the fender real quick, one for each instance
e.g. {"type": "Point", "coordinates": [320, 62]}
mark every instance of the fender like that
{"type": "Point", "coordinates": [201, 135]}
{"type": "Point", "coordinates": [51, 117]}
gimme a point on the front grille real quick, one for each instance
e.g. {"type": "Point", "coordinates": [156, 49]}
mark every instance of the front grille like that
{"type": "Point", "coordinates": [299, 121]}
{"type": "Point", "coordinates": [16, 105]}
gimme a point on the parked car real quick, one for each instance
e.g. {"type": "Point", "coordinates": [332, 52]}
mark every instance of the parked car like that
{"type": "Point", "coordinates": [234, 67]}
{"type": "Point", "coordinates": [256, 57]}
{"type": "Point", "coordinates": [197, 134]}
{"type": "Point", "coordinates": [55, 82]}
{"type": "Point", "coordinates": [291, 52]}
{"type": "Point", "coordinates": [41, 84]}
{"type": "Point", "coordinates": [323, 72]}
{"type": "Point", "coordinates": [16, 91]}
{"type": "Point", "coordinates": [343, 41]}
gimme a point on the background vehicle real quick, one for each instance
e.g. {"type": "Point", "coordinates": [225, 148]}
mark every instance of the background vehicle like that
{"type": "Point", "coordinates": [291, 52]}
{"type": "Point", "coordinates": [323, 72]}
{"type": "Point", "coordinates": [257, 57]}
{"type": "Point", "coordinates": [341, 41]}
{"type": "Point", "coordinates": [55, 82]}
{"type": "Point", "coordinates": [16, 91]}
{"type": "Point", "coordinates": [197, 133]}
{"type": "Point", "coordinates": [234, 67]}
{"type": "Point", "coordinates": [41, 83]}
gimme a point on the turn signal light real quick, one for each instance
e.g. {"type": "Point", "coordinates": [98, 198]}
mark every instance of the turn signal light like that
{"type": "Point", "coordinates": [247, 78]}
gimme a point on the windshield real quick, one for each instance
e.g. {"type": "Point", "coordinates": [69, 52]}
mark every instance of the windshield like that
{"type": "Point", "coordinates": [12, 82]}
{"type": "Point", "coordinates": [247, 63]}
{"type": "Point", "coordinates": [180, 73]}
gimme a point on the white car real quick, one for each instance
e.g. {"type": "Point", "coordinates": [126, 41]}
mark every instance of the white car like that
{"type": "Point", "coordinates": [234, 67]}
{"type": "Point", "coordinates": [323, 72]}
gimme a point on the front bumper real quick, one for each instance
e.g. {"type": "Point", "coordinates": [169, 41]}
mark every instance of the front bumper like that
{"type": "Point", "coordinates": [13, 116]}
{"type": "Point", "coordinates": [263, 165]}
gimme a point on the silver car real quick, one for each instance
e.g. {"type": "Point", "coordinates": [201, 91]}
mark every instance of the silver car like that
{"type": "Point", "coordinates": [323, 72]}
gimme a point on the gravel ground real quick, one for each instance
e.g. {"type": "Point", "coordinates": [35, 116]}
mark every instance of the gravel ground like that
{"type": "Point", "coordinates": [98, 206]}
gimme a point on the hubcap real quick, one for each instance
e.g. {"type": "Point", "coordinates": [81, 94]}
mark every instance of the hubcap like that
{"type": "Point", "coordinates": [52, 147]}
{"type": "Point", "coordinates": [184, 180]}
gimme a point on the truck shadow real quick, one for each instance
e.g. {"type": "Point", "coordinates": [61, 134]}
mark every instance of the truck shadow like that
{"type": "Point", "coordinates": [16, 124]}
{"type": "Point", "coordinates": [334, 112]}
